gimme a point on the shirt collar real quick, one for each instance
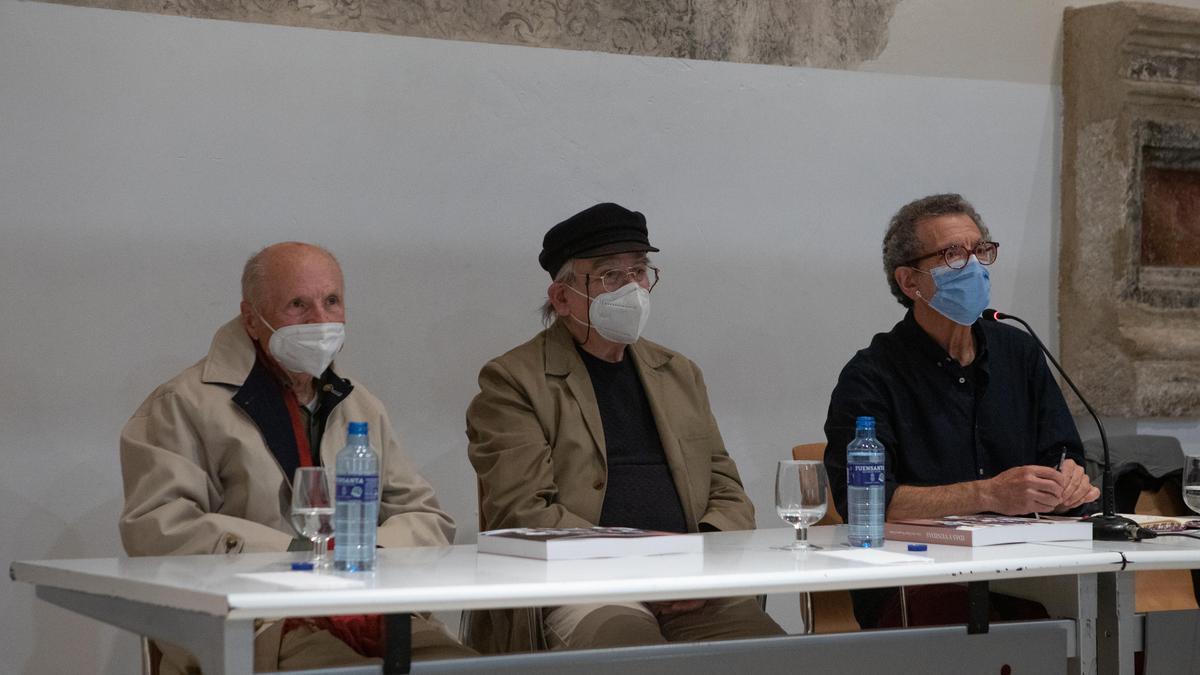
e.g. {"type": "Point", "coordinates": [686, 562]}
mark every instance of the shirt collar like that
{"type": "Point", "coordinates": [929, 350]}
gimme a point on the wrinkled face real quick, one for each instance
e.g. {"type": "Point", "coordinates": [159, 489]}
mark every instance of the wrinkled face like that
{"type": "Point", "coordinates": [301, 285]}
{"type": "Point", "coordinates": [590, 280]}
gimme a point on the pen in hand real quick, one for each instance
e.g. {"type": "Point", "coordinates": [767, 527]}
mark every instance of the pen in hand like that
{"type": "Point", "coordinates": [1062, 458]}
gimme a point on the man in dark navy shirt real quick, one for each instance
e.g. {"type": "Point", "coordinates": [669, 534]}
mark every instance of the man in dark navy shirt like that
{"type": "Point", "coordinates": [967, 409]}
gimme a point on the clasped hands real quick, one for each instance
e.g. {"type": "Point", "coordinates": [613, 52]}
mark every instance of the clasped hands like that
{"type": "Point", "coordinates": [1039, 489]}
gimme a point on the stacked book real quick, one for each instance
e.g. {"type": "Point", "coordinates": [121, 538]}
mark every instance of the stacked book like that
{"type": "Point", "coordinates": [985, 530]}
{"type": "Point", "coordinates": [576, 543]}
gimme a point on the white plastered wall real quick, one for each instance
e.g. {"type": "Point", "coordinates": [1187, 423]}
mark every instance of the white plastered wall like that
{"type": "Point", "coordinates": [142, 158]}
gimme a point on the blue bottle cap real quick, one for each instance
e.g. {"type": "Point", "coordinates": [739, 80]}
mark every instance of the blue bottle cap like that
{"type": "Point", "coordinates": [918, 547]}
{"type": "Point", "coordinates": [302, 567]}
{"type": "Point", "coordinates": [865, 421]}
{"type": "Point", "coordinates": [358, 429]}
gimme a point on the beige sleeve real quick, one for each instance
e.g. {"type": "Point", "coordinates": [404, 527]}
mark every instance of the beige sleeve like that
{"type": "Point", "coordinates": [169, 497]}
{"type": "Point", "coordinates": [409, 513]}
{"type": "Point", "coordinates": [729, 507]}
{"type": "Point", "coordinates": [512, 458]}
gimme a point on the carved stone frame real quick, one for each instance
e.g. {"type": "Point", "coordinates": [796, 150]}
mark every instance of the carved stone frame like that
{"type": "Point", "coordinates": [1130, 332]}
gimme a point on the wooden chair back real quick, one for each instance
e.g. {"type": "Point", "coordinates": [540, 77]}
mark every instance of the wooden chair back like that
{"type": "Point", "coordinates": [832, 611]}
{"type": "Point", "coordinates": [1163, 590]}
{"type": "Point", "coordinates": [816, 451]}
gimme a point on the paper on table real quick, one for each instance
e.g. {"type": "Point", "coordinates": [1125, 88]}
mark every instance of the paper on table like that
{"type": "Point", "coordinates": [875, 557]}
{"type": "Point", "coordinates": [304, 580]}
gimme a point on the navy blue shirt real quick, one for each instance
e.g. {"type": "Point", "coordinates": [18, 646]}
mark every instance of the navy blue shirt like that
{"type": "Point", "coordinates": [943, 423]}
{"type": "Point", "coordinates": [641, 491]}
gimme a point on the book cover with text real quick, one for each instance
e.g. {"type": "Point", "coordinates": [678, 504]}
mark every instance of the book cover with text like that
{"type": "Point", "coordinates": [987, 530]}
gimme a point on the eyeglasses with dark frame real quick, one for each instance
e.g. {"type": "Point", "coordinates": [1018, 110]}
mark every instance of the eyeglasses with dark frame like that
{"type": "Point", "coordinates": [956, 256]}
{"type": "Point", "coordinates": [615, 277]}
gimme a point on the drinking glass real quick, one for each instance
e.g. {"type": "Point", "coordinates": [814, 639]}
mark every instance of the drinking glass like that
{"type": "Point", "coordinates": [800, 498]}
{"type": "Point", "coordinates": [312, 511]}
{"type": "Point", "coordinates": [1191, 483]}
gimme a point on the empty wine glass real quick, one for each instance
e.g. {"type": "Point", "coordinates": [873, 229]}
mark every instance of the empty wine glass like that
{"type": "Point", "coordinates": [1191, 483]}
{"type": "Point", "coordinates": [312, 511]}
{"type": "Point", "coordinates": [800, 489]}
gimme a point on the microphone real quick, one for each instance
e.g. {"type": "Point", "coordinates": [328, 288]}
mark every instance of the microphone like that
{"type": "Point", "coordinates": [1107, 525]}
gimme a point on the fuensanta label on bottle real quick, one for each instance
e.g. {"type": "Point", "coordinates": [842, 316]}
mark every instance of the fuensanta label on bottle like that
{"type": "Point", "coordinates": [356, 488]}
{"type": "Point", "coordinates": [864, 475]}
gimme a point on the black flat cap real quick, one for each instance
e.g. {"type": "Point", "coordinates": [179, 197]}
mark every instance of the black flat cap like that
{"type": "Point", "coordinates": [603, 229]}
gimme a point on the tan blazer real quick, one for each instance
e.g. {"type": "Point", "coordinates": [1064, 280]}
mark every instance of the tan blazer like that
{"type": "Point", "coordinates": [537, 444]}
{"type": "Point", "coordinates": [199, 478]}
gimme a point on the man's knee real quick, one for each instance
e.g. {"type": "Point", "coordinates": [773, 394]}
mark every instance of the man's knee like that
{"type": "Point", "coordinates": [608, 626]}
{"type": "Point", "coordinates": [722, 619]}
{"type": "Point", "coordinates": [432, 641]}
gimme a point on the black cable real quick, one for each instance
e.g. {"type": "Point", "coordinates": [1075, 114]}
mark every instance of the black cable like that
{"type": "Point", "coordinates": [1108, 496]}
{"type": "Point", "coordinates": [1175, 534]}
{"type": "Point", "coordinates": [1146, 533]}
{"type": "Point", "coordinates": [1143, 533]}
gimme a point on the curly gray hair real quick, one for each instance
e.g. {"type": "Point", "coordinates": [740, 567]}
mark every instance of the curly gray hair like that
{"type": "Point", "coordinates": [901, 243]}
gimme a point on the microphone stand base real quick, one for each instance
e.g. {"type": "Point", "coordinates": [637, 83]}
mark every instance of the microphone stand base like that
{"type": "Point", "coordinates": [1112, 528]}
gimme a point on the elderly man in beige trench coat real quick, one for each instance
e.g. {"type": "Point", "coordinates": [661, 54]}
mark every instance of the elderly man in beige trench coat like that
{"type": "Point", "coordinates": [590, 424]}
{"type": "Point", "coordinates": [208, 458]}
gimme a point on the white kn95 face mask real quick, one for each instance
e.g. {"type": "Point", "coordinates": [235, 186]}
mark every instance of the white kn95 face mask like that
{"type": "Point", "coordinates": [620, 316]}
{"type": "Point", "coordinates": [306, 347]}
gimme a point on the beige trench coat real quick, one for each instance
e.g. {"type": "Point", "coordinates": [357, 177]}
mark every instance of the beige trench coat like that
{"type": "Point", "coordinates": [537, 444]}
{"type": "Point", "coordinates": [199, 478]}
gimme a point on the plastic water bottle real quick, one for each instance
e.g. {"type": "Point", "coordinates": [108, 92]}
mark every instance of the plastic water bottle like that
{"type": "Point", "coordinates": [357, 503]}
{"type": "Point", "coordinates": [864, 480]}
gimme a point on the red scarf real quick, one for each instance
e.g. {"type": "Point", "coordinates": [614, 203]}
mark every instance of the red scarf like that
{"type": "Point", "coordinates": [362, 632]}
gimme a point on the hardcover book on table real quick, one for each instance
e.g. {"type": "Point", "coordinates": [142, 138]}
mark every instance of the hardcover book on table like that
{"type": "Point", "coordinates": [985, 530]}
{"type": "Point", "coordinates": [575, 543]}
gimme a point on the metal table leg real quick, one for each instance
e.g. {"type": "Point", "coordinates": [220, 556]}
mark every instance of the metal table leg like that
{"type": "Point", "coordinates": [1064, 597]}
{"type": "Point", "coordinates": [1117, 636]}
{"type": "Point", "coordinates": [223, 647]}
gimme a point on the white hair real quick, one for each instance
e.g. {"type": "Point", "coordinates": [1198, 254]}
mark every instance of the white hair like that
{"type": "Point", "coordinates": [565, 274]}
{"type": "Point", "coordinates": [254, 273]}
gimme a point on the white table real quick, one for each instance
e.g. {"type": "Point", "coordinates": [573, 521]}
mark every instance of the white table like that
{"type": "Point", "coordinates": [1169, 641]}
{"type": "Point", "coordinates": [202, 602]}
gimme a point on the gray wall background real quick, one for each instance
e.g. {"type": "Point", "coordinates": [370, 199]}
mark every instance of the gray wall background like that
{"type": "Point", "coordinates": [143, 157]}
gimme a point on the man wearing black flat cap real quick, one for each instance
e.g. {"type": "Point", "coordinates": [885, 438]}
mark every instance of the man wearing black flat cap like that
{"type": "Point", "coordinates": [590, 424]}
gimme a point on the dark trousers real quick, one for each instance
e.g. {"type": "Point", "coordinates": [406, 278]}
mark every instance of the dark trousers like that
{"type": "Point", "coordinates": [936, 605]}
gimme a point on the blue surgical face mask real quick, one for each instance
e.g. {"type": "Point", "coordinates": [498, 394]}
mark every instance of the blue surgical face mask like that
{"type": "Point", "coordinates": [962, 294]}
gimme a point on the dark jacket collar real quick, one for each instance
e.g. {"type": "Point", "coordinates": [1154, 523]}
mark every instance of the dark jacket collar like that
{"type": "Point", "coordinates": [232, 359]}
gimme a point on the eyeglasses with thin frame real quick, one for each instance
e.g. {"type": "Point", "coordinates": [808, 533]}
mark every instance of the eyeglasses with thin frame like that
{"type": "Point", "coordinates": [613, 278]}
{"type": "Point", "coordinates": [956, 256]}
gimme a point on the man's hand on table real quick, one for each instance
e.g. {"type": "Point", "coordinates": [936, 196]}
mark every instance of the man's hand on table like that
{"type": "Point", "coordinates": [1025, 489]}
{"type": "Point", "coordinates": [1077, 489]}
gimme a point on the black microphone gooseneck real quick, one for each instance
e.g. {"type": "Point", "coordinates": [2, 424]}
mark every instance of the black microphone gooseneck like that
{"type": "Point", "coordinates": [1106, 526]}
